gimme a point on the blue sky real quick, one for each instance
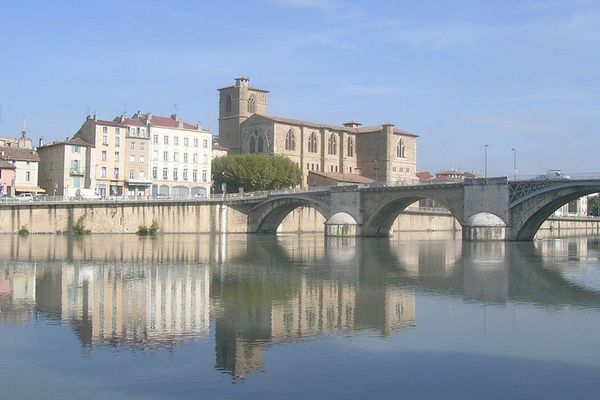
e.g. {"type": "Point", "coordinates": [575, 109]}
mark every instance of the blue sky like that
{"type": "Point", "coordinates": [461, 74]}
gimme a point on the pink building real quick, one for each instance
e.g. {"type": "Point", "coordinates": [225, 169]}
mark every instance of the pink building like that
{"type": "Point", "coordinates": [7, 178]}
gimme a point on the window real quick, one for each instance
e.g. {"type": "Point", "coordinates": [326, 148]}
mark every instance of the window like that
{"type": "Point", "coordinates": [132, 147]}
{"type": "Point", "coordinates": [195, 158]}
{"type": "Point", "coordinates": [195, 142]}
{"type": "Point", "coordinates": [103, 155]}
{"type": "Point", "coordinates": [350, 147]}
{"type": "Point", "coordinates": [312, 143]}
{"type": "Point", "coordinates": [186, 141]}
{"type": "Point", "coordinates": [166, 140]}
{"type": "Point", "coordinates": [116, 172]}
{"type": "Point", "coordinates": [117, 131]}
{"type": "Point", "coordinates": [103, 172]}
{"type": "Point", "coordinates": [252, 144]}
{"type": "Point", "coordinates": [155, 139]}
{"type": "Point", "coordinates": [104, 129]}
{"type": "Point", "coordinates": [176, 140]}
{"type": "Point", "coordinates": [105, 140]}
{"type": "Point", "coordinates": [185, 174]}
{"type": "Point", "coordinates": [185, 157]}
{"type": "Point", "coordinates": [75, 149]}
{"type": "Point", "coordinates": [205, 144]}
{"type": "Point", "coordinates": [176, 156]}
{"type": "Point", "coordinates": [141, 158]}
{"type": "Point", "coordinates": [251, 105]}
{"type": "Point", "coordinates": [76, 181]}
{"type": "Point", "coordinates": [132, 158]}
{"type": "Point", "coordinates": [203, 175]}
{"type": "Point", "coordinates": [228, 103]}
{"type": "Point", "coordinates": [290, 141]}
{"type": "Point", "coordinates": [154, 172]}
{"type": "Point", "coordinates": [141, 175]}
{"type": "Point", "coordinates": [204, 159]}
{"type": "Point", "coordinates": [165, 174]}
{"type": "Point", "coordinates": [117, 156]}
{"type": "Point", "coordinates": [332, 144]}
{"type": "Point", "coordinates": [400, 148]}
{"type": "Point", "coordinates": [142, 146]}
{"type": "Point", "coordinates": [154, 155]}
{"type": "Point", "coordinates": [131, 174]}
{"type": "Point", "coordinates": [28, 176]}
{"type": "Point", "coordinates": [195, 175]}
{"type": "Point", "coordinates": [165, 156]}
{"type": "Point", "coordinates": [117, 141]}
{"type": "Point", "coordinates": [260, 145]}
{"type": "Point", "coordinates": [143, 132]}
{"type": "Point", "coordinates": [174, 174]}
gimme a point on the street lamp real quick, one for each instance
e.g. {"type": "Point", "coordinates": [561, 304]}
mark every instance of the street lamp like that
{"type": "Point", "coordinates": [485, 161]}
{"type": "Point", "coordinates": [514, 164]}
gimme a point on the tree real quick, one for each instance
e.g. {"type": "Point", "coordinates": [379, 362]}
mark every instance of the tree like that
{"type": "Point", "coordinates": [594, 206]}
{"type": "Point", "coordinates": [254, 172]}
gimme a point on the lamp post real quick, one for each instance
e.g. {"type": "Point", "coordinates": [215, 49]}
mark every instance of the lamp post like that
{"type": "Point", "coordinates": [514, 164]}
{"type": "Point", "coordinates": [485, 161]}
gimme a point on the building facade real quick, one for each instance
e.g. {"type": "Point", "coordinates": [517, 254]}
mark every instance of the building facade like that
{"type": "Point", "coordinates": [381, 153]}
{"type": "Point", "coordinates": [7, 178]}
{"type": "Point", "coordinates": [63, 166]}
{"type": "Point", "coordinates": [26, 168]}
{"type": "Point", "coordinates": [106, 165]}
{"type": "Point", "coordinates": [137, 156]}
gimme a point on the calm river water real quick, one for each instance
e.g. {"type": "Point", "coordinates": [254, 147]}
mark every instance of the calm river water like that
{"type": "Point", "coordinates": [298, 317]}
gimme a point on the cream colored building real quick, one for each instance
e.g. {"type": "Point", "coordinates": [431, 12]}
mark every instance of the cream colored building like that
{"type": "Point", "coordinates": [382, 153]}
{"type": "Point", "coordinates": [63, 166]}
{"type": "Point", "coordinates": [26, 162]}
{"type": "Point", "coordinates": [181, 156]}
{"type": "Point", "coordinates": [106, 165]}
{"type": "Point", "coordinates": [138, 180]}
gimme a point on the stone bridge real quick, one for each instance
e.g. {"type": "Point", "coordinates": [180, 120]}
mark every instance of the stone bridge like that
{"type": "Point", "coordinates": [487, 209]}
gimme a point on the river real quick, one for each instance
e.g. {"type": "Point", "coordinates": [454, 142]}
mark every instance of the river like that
{"type": "Point", "coordinates": [422, 316]}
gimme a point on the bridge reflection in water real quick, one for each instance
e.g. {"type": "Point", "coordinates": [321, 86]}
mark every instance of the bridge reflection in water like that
{"type": "Point", "coordinates": [252, 291]}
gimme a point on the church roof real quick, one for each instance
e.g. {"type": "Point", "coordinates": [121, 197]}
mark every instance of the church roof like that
{"type": "Point", "coordinates": [318, 125]}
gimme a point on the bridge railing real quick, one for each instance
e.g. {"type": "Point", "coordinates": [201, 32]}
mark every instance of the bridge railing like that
{"type": "Point", "coordinates": [566, 176]}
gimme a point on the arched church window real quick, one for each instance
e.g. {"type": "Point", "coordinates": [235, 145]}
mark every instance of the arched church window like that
{"type": "Point", "coordinates": [312, 143]}
{"type": "Point", "coordinates": [228, 103]}
{"type": "Point", "coordinates": [260, 145]}
{"type": "Point", "coordinates": [290, 141]}
{"type": "Point", "coordinates": [332, 144]}
{"type": "Point", "coordinates": [252, 144]}
{"type": "Point", "coordinates": [251, 105]}
{"type": "Point", "coordinates": [400, 149]}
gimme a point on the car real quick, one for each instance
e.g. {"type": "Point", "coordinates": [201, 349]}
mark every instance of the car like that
{"type": "Point", "coordinates": [553, 174]}
{"type": "Point", "coordinates": [24, 197]}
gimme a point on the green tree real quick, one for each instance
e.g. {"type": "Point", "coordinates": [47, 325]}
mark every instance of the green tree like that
{"type": "Point", "coordinates": [254, 172]}
{"type": "Point", "coordinates": [594, 206]}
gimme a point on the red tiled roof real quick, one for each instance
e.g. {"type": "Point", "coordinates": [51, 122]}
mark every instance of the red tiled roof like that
{"type": "Point", "coordinates": [424, 176]}
{"type": "Point", "coordinates": [169, 122]}
{"type": "Point", "coordinates": [110, 123]}
{"type": "Point", "coordinates": [6, 165]}
{"type": "Point", "coordinates": [317, 125]}
{"type": "Point", "coordinates": [77, 141]}
{"type": "Point", "coordinates": [18, 154]}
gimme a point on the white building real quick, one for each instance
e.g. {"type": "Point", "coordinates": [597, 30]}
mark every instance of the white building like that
{"type": "Point", "coordinates": [181, 156]}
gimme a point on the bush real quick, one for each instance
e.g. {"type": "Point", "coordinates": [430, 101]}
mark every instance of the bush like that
{"type": "Point", "coordinates": [79, 227]}
{"type": "Point", "coordinates": [23, 231]}
{"type": "Point", "coordinates": [151, 230]}
{"type": "Point", "coordinates": [255, 172]}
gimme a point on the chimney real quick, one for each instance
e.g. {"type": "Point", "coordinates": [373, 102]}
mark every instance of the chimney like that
{"type": "Point", "coordinates": [122, 118]}
{"type": "Point", "coordinates": [41, 142]}
{"type": "Point", "coordinates": [174, 117]}
{"type": "Point", "coordinates": [388, 128]}
{"type": "Point", "coordinates": [242, 81]}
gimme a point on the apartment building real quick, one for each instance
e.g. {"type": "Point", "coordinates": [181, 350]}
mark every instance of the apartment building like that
{"type": "Point", "coordinates": [106, 164]}
{"type": "Point", "coordinates": [63, 166]}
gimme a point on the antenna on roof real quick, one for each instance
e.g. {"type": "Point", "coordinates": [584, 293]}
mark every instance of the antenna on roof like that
{"type": "Point", "coordinates": [175, 107]}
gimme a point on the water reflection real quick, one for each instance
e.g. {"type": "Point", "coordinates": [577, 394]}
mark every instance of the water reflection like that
{"type": "Point", "coordinates": [257, 290]}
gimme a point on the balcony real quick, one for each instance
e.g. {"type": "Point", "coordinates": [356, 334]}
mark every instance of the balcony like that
{"type": "Point", "coordinates": [77, 171]}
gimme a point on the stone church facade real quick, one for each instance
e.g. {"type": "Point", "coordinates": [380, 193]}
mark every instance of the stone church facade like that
{"type": "Point", "coordinates": [382, 153]}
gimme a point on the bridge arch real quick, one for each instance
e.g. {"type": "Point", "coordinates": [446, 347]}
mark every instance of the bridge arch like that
{"type": "Point", "coordinates": [379, 222]}
{"type": "Point", "coordinates": [528, 215]}
{"type": "Point", "coordinates": [268, 215]}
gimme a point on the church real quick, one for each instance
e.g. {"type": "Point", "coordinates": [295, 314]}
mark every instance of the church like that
{"type": "Point", "coordinates": [326, 154]}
